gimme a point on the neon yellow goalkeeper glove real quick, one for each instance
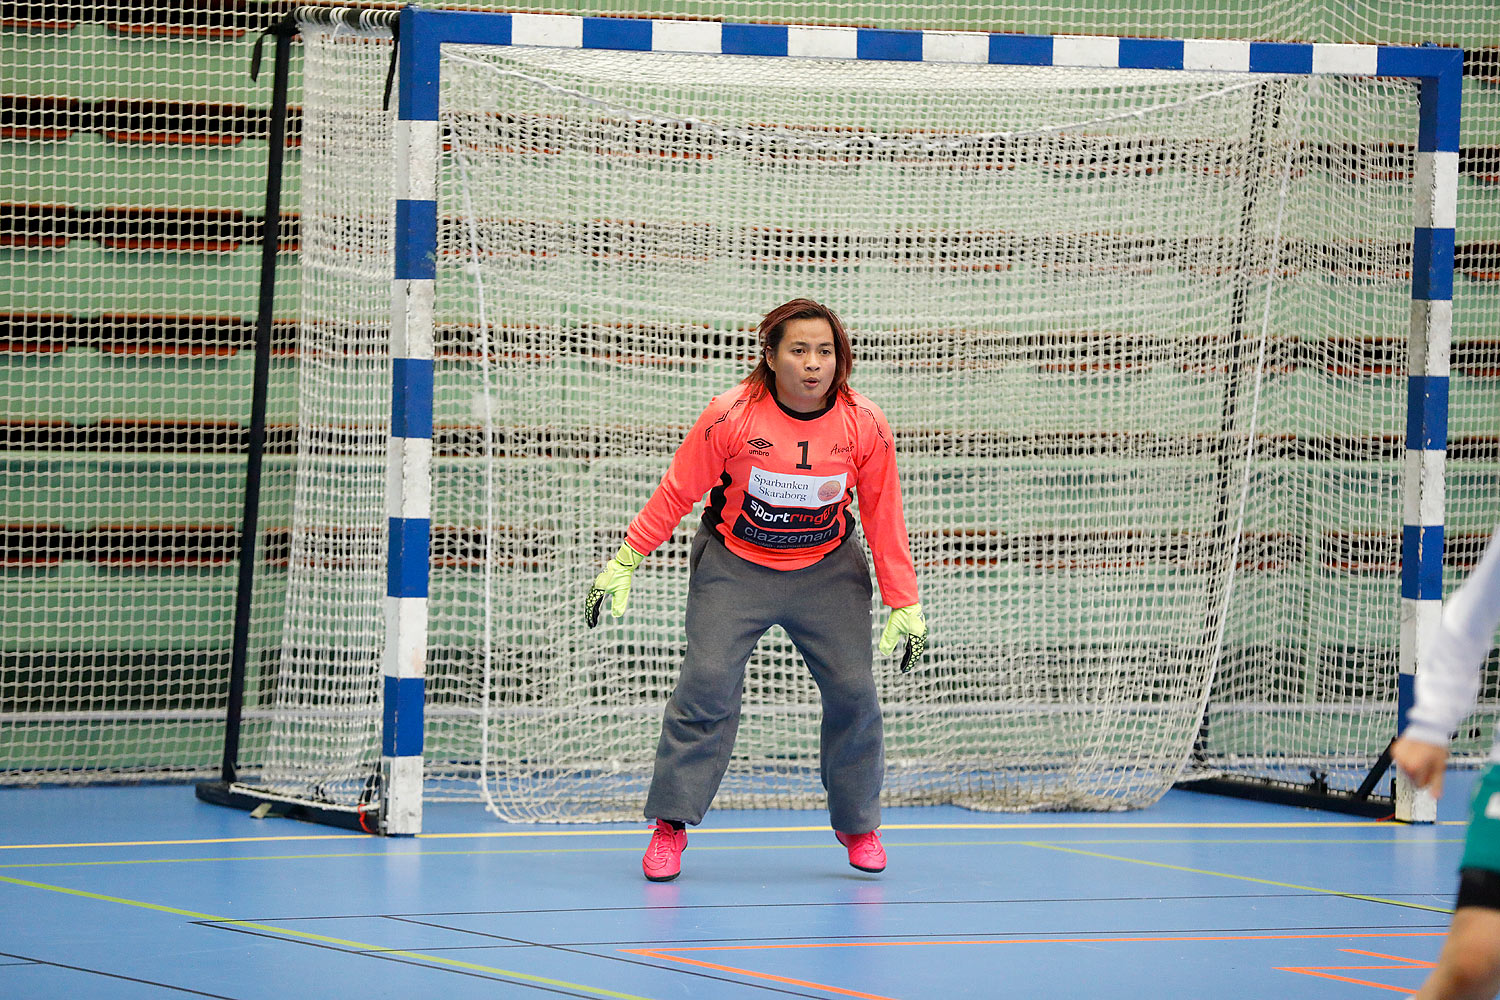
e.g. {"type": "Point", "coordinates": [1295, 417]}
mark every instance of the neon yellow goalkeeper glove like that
{"type": "Point", "coordinates": [907, 622]}
{"type": "Point", "coordinates": [615, 580]}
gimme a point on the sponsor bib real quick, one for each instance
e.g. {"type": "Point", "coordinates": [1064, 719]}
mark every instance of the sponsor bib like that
{"type": "Point", "coordinates": [782, 489]}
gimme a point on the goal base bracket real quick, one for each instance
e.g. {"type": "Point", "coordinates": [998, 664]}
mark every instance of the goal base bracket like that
{"type": "Point", "coordinates": [1288, 794]}
{"type": "Point", "coordinates": [364, 819]}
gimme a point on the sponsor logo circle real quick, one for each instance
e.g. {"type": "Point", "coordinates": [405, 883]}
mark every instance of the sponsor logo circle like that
{"type": "Point", "coordinates": [828, 490]}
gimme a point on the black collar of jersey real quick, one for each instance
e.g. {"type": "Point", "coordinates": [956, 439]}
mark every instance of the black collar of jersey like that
{"type": "Point", "coordinates": [810, 415]}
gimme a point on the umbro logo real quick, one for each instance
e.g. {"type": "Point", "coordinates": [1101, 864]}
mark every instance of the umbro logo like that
{"type": "Point", "coordinates": [759, 442]}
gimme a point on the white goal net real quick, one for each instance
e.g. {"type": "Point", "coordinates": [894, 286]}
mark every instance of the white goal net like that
{"type": "Point", "coordinates": [1140, 335]}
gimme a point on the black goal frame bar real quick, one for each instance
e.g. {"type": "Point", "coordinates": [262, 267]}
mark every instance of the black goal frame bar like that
{"type": "Point", "coordinates": [228, 790]}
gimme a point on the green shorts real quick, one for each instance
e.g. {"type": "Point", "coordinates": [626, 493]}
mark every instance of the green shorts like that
{"type": "Point", "coordinates": [1482, 843]}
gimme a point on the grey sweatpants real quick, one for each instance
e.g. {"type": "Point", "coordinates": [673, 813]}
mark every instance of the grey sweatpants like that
{"type": "Point", "coordinates": [825, 610]}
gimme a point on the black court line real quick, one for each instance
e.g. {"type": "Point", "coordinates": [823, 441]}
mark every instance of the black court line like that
{"type": "Point", "coordinates": [24, 960]}
{"type": "Point", "coordinates": [512, 942]}
{"type": "Point", "coordinates": [832, 903]}
{"type": "Point", "coordinates": [576, 950]}
{"type": "Point", "coordinates": [417, 915]}
{"type": "Point", "coordinates": [402, 960]}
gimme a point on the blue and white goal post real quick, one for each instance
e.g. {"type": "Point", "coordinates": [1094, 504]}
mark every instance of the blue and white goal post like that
{"type": "Point", "coordinates": [424, 33]}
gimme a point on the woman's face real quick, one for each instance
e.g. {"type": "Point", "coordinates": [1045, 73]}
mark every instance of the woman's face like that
{"type": "Point", "coordinates": [804, 363]}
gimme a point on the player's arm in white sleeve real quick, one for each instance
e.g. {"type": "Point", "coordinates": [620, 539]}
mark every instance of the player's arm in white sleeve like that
{"type": "Point", "coordinates": [1448, 676]}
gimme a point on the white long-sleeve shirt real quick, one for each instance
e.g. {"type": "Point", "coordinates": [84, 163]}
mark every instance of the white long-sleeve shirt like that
{"type": "Point", "coordinates": [1448, 676]}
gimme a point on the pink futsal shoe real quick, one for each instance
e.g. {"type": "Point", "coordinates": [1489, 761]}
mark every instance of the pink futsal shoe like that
{"type": "Point", "coordinates": [865, 852]}
{"type": "Point", "coordinates": [663, 860]}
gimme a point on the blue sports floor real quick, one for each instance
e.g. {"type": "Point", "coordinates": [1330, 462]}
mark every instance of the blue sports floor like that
{"type": "Point", "coordinates": [136, 892]}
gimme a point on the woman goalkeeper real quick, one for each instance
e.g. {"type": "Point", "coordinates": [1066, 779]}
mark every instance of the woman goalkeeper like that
{"type": "Point", "coordinates": [780, 455]}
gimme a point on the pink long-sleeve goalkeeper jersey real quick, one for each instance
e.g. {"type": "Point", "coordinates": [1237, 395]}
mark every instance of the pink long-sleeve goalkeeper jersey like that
{"type": "Point", "coordinates": [780, 483]}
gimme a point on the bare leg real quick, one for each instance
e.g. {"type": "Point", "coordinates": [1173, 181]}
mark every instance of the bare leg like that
{"type": "Point", "coordinates": [1469, 967]}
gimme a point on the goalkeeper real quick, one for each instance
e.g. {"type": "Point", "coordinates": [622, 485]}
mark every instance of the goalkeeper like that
{"type": "Point", "coordinates": [1447, 690]}
{"type": "Point", "coordinates": [780, 456]}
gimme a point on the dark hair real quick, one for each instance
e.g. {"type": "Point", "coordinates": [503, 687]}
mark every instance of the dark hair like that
{"type": "Point", "coordinates": [773, 328]}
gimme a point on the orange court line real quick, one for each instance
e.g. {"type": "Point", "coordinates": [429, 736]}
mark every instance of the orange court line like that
{"type": "Point", "coordinates": [1420, 962]}
{"type": "Point", "coordinates": [1351, 968]}
{"type": "Point", "coordinates": [667, 956]}
{"type": "Point", "coordinates": [758, 975]}
{"type": "Point", "coordinates": [1346, 979]}
{"type": "Point", "coordinates": [1080, 940]}
{"type": "Point", "coordinates": [1325, 971]}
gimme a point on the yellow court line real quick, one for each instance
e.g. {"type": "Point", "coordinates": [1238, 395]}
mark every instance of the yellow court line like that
{"type": "Point", "coordinates": [1107, 825]}
{"type": "Point", "coordinates": [1132, 825]}
{"type": "Point", "coordinates": [553, 851]}
{"type": "Point", "coordinates": [636, 832]}
{"type": "Point", "coordinates": [1241, 878]}
{"type": "Point", "coordinates": [286, 932]}
{"type": "Point", "coordinates": [174, 843]}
